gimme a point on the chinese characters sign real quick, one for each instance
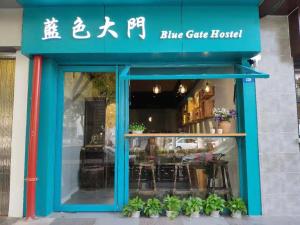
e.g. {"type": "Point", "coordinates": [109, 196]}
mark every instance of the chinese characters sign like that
{"type": "Point", "coordinates": [140, 29]}
{"type": "Point", "coordinates": [79, 30]}
{"type": "Point", "coordinates": [51, 29]}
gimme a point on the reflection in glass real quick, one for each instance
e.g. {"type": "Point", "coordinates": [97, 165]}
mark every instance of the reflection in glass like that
{"type": "Point", "coordinates": [183, 166]}
{"type": "Point", "coordinates": [88, 151]}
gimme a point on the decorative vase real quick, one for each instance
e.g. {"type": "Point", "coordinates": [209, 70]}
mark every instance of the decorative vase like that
{"type": "Point", "coordinates": [137, 131]}
{"type": "Point", "coordinates": [195, 215]}
{"type": "Point", "coordinates": [215, 214]}
{"type": "Point", "coordinates": [154, 216]}
{"type": "Point", "coordinates": [225, 126]}
{"type": "Point", "coordinates": [237, 215]}
{"type": "Point", "coordinates": [136, 214]}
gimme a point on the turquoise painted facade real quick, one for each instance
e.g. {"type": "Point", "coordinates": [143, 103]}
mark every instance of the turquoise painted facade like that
{"type": "Point", "coordinates": [95, 54]}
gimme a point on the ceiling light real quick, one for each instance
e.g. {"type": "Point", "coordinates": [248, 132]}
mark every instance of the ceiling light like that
{"type": "Point", "coordinates": [156, 89]}
{"type": "Point", "coordinates": [182, 89]}
{"type": "Point", "coordinates": [207, 87]}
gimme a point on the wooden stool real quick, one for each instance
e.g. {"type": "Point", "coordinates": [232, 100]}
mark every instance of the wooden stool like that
{"type": "Point", "coordinates": [147, 166]}
{"type": "Point", "coordinates": [187, 167]}
{"type": "Point", "coordinates": [225, 189]}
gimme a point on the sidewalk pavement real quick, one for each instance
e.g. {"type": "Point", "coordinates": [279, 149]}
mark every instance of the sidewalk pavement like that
{"type": "Point", "coordinates": [117, 219]}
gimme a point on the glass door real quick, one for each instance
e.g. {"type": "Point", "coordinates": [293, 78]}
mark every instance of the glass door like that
{"type": "Point", "coordinates": [88, 151]}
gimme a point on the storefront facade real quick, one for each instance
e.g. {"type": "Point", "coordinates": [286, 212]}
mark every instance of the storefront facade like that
{"type": "Point", "coordinates": [134, 42]}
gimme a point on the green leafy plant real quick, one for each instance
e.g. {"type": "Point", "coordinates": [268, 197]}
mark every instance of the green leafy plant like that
{"type": "Point", "coordinates": [153, 207]}
{"type": "Point", "coordinates": [134, 205]}
{"type": "Point", "coordinates": [137, 127]}
{"type": "Point", "coordinates": [237, 204]}
{"type": "Point", "coordinates": [213, 203]}
{"type": "Point", "coordinates": [191, 205]}
{"type": "Point", "coordinates": [173, 205]}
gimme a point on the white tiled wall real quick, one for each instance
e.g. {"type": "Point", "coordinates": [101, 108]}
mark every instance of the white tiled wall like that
{"type": "Point", "coordinates": [277, 121]}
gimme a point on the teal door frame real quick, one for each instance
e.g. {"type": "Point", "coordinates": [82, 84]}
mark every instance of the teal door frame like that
{"type": "Point", "coordinates": [248, 146]}
{"type": "Point", "coordinates": [247, 122]}
{"type": "Point", "coordinates": [118, 179]}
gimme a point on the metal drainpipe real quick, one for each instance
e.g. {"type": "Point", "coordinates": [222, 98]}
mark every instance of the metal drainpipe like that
{"type": "Point", "coordinates": [33, 138]}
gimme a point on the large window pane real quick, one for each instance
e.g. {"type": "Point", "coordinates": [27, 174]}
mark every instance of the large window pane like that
{"type": "Point", "coordinates": [88, 152]}
{"type": "Point", "coordinates": [183, 166]}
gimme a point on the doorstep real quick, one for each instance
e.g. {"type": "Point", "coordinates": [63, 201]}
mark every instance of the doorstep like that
{"type": "Point", "coordinates": [118, 219]}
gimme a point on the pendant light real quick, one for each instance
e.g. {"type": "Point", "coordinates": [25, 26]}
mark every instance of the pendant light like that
{"type": "Point", "coordinates": [156, 89]}
{"type": "Point", "coordinates": [182, 89]}
{"type": "Point", "coordinates": [207, 87]}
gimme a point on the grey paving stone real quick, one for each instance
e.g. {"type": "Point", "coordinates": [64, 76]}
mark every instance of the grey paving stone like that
{"type": "Point", "coordinates": [7, 221]}
{"type": "Point", "coordinates": [161, 221]}
{"type": "Point", "coordinates": [38, 221]}
{"type": "Point", "coordinates": [74, 221]}
{"type": "Point", "coordinates": [274, 220]}
{"type": "Point", "coordinates": [204, 220]}
{"type": "Point", "coordinates": [117, 219]}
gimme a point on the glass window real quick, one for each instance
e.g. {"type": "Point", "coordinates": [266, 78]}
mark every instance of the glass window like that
{"type": "Point", "coordinates": [88, 150]}
{"type": "Point", "coordinates": [195, 166]}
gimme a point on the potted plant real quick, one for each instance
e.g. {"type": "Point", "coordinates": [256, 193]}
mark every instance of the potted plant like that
{"type": "Point", "coordinates": [134, 207]}
{"type": "Point", "coordinates": [172, 205]}
{"type": "Point", "coordinates": [192, 206]}
{"type": "Point", "coordinates": [214, 205]}
{"type": "Point", "coordinates": [137, 128]}
{"type": "Point", "coordinates": [237, 207]}
{"type": "Point", "coordinates": [153, 208]}
{"type": "Point", "coordinates": [223, 117]}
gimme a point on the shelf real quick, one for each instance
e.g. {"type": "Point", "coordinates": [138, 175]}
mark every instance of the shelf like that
{"type": "Point", "coordinates": [184, 135]}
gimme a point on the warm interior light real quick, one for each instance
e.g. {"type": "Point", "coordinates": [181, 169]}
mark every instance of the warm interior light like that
{"type": "Point", "coordinates": [150, 119]}
{"type": "Point", "coordinates": [156, 89]}
{"type": "Point", "coordinates": [182, 89]}
{"type": "Point", "coordinates": [207, 87]}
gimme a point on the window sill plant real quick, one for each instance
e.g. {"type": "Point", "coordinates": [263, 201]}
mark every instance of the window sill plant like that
{"type": "Point", "coordinates": [214, 205]}
{"type": "Point", "coordinates": [153, 208]}
{"type": "Point", "coordinates": [134, 208]}
{"type": "Point", "coordinates": [137, 128]}
{"type": "Point", "coordinates": [172, 205]}
{"type": "Point", "coordinates": [192, 206]}
{"type": "Point", "coordinates": [237, 207]}
{"type": "Point", "coordinates": [223, 117]}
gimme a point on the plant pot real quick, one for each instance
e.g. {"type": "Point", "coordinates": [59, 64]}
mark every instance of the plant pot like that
{"type": "Point", "coordinates": [136, 214]}
{"type": "Point", "coordinates": [220, 131]}
{"type": "Point", "coordinates": [225, 126]}
{"type": "Point", "coordinates": [237, 215]}
{"type": "Point", "coordinates": [195, 214]}
{"type": "Point", "coordinates": [154, 216]}
{"type": "Point", "coordinates": [170, 214]}
{"type": "Point", "coordinates": [215, 214]}
{"type": "Point", "coordinates": [137, 131]}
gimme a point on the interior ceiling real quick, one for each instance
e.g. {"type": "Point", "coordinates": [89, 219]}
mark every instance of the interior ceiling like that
{"type": "Point", "coordinates": [166, 85]}
{"type": "Point", "coordinates": [278, 7]}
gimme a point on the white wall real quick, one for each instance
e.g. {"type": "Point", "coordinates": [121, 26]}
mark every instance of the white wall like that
{"type": "Point", "coordinates": [10, 27]}
{"type": "Point", "coordinates": [18, 137]}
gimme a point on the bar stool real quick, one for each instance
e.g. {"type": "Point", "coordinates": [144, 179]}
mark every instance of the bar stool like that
{"type": "Point", "coordinates": [177, 167]}
{"type": "Point", "coordinates": [214, 166]}
{"type": "Point", "coordinates": [150, 167]}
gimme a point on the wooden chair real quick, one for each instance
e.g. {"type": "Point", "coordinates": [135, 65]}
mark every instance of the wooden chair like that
{"type": "Point", "coordinates": [214, 166]}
